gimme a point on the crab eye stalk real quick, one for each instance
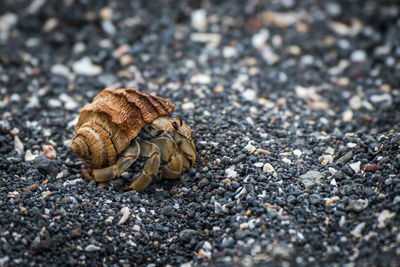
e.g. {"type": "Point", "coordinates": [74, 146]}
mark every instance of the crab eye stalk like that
{"type": "Point", "coordinates": [175, 125]}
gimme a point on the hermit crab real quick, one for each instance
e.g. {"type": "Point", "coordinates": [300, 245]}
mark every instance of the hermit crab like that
{"type": "Point", "coordinates": [122, 124]}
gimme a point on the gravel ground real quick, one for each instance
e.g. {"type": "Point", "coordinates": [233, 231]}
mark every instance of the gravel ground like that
{"type": "Point", "coordinates": [295, 108]}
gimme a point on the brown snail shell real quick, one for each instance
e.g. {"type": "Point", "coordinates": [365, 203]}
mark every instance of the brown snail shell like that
{"type": "Point", "coordinates": [106, 126]}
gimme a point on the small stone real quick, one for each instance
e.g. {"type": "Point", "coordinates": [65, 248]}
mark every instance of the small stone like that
{"type": "Point", "coordinates": [311, 177]}
{"type": "Point", "coordinates": [258, 164]}
{"type": "Point", "coordinates": [347, 115]}
{"type": "Point", "coordinates": [231, 173]}
{"type": "Point", "coordinates": [357, 205]}
{"type": "Point", "coordinates": [136, 228]}
{"type": "Point", "coordinates": [297, 153]}
{"type": "Point", "coordinates": [259, 39]}
{"type": "Point", "coordinates": [106, 13]}
{"type": "Point", "coordinates": [33, 187]}
{"type": "Point", "coordinates": [351, 145]}
{"type": "Point", "coordinates": [91, 248]}
{"type": "Point", "coordinates": [125, 215]}
{"type": "Point", "coordinates": [29, 156]}
{"type": "Point", "coordinates": [381, 98]}
{"type": "Point", "coordinates": [268, 168]}
{"type": "Point", "coordinates": [243, 226]}
{"type": "Point", "coordinates": [69, 102]}
{"type": "Point", "coordinates": [212, 38]}
{"type": "Point", "coordinates": [217, 208]}
{"type": "Point", "coordinates": [356, 166]}
{"type": "Point", "coordinates": [54, 103]}
{"type": "Point", "coordinates": [188, 106]}
{"type": "Point", "coordinates": [269, 56]}
{"type": "Point", "coordinates": [355, 102]}
{"type": "Point", "coordinates": [85, 67]}
{"type": "Point", "coordinates": [199, 19]}
{"type": "Point", "coordinates": [49, 151]}
{"type": "Point", "coordinates": [7, 22]}
{"type": "Point", "coordinates": [326, 159]}
{"type": "Point", "coordinates": [358, 229]}
{"type": "Point", "coordinates": [346, 157]}
{"type": "Point", "coordinates": [200, 78]}
{"type": "Point", "coordinates": [229, 51]}
{"type": "Point", "coordinates": [282, 251]}
{"type": "Point", "coordinates": [249, 94]}
{"type": "Point", "coordinates": [75, 232]}
{"type": "Point", "coordinates": [383, 216]}
{"type": "Point", "coordinates": [61, 70]}
{"type": "Point", "coordinates": [287, 161]}
{"type": "Point", "coordinates": [371, 167]}
{"type": "Point", "coordinates": [18, 145]}
{"type": "Point", "coordinates": [227, 242]}
{"type": "Point", "coordinates": [358, 56]}
{"type": "Point", "coordinates": [4, 261]}
{"type": "Point", "coordinates": [5, 126]}
{"type": "Point", "coordinates": [207, 246]}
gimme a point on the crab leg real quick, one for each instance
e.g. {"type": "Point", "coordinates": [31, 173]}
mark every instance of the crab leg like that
{"type": "Point", "coordinates": [150, 168]}
{"type": "Point", "coordinates": [170, 154]}
{"type": "Point", "coordinates": [129, 156]}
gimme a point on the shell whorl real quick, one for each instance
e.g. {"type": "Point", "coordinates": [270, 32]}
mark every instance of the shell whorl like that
{"type": "Point", "coordinates": [107, 125]}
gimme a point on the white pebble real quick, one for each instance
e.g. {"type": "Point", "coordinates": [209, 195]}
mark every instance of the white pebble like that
{"type": "Point", "coordinates": [207, 246]}
{"type": "Point", "coordinates": [249, 121]}
{"type": "Point", "coordinates": [358, 56]}
{"type": "Point", "coordinates": [109, 220]}
{"type": "Point", "coordinates": [269, 56]}
{"type": "Point", "coordinates": [356, 166]}
{"type": "Point", "coordinates": [18, 145]}
{"type": "Point", "coordinates": [347, 115]}
{"type": "Point", "coordinates": [125, 215]}
{"type": "Point", "coordinates": [199, 19]}
{"type": "Point", "coordinates": [33, 101]}
{"type": "Point", "coordinates": [258, 164]}
{"type": "Point", "coordinates": [297, 153]}
{"type": "Point", "coordinates": [54, 103]}
{"type": "Point", "coordinates": [188, 105]}
{"type": "Point", "coordinates": [268, 168]}
{"type": "Point", "coordinates": [326, 159]}
{"type": "Point", "coordinates": [259, 39]}
{"type": "Point", "coordinates": [85, 67]}
{"type": "Point", "coordinates": [7, 21]}
{"type": "Point", "coordinates": [381, 98]}
{"type": "Point", "coordinates": [351, 145]}
{"type": "Point", "coordinates": [383, 216]}
{"type": "Point", "coordinates": [108, 27]}
{"type": "Point", "coordinates": [29, 156]}
{"type": "Point", "coordinates": [249, 94]}
{"type": "Point", "coordinates": [358, 229]}
{"type": "Point", "coordinates": [229, 51]}
{"type": "Point", "coordinates": [200, 78]}
{"type": "Point", "coordinates": [211, 38]}
{"type": "Point", "coordinates": [286, 160]}
{"type": "Point", "coordinates": [250, 147]}
{"type": "Point", "coordinates": [231, 173]}
{"type": "Point", "coordinates": [91, 248]}
{"type": "Point", "coordinates": [342, 221]}
{"type": "Point", "coordinates": [73, 182]}
{"type": "Point", "coordinates": [61, 70]}
{"type": "Point", "coordinates": [69, 102]}
{"type": "Point", "coordinates": [355, 102]}
{"type": "Point", "coordinates": [332, 170]}
{"type": "Point", "coordinates": [136, 228]}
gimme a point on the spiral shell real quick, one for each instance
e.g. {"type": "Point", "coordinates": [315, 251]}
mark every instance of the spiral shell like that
{"type": "Point", "coordinates": [106, 126]}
